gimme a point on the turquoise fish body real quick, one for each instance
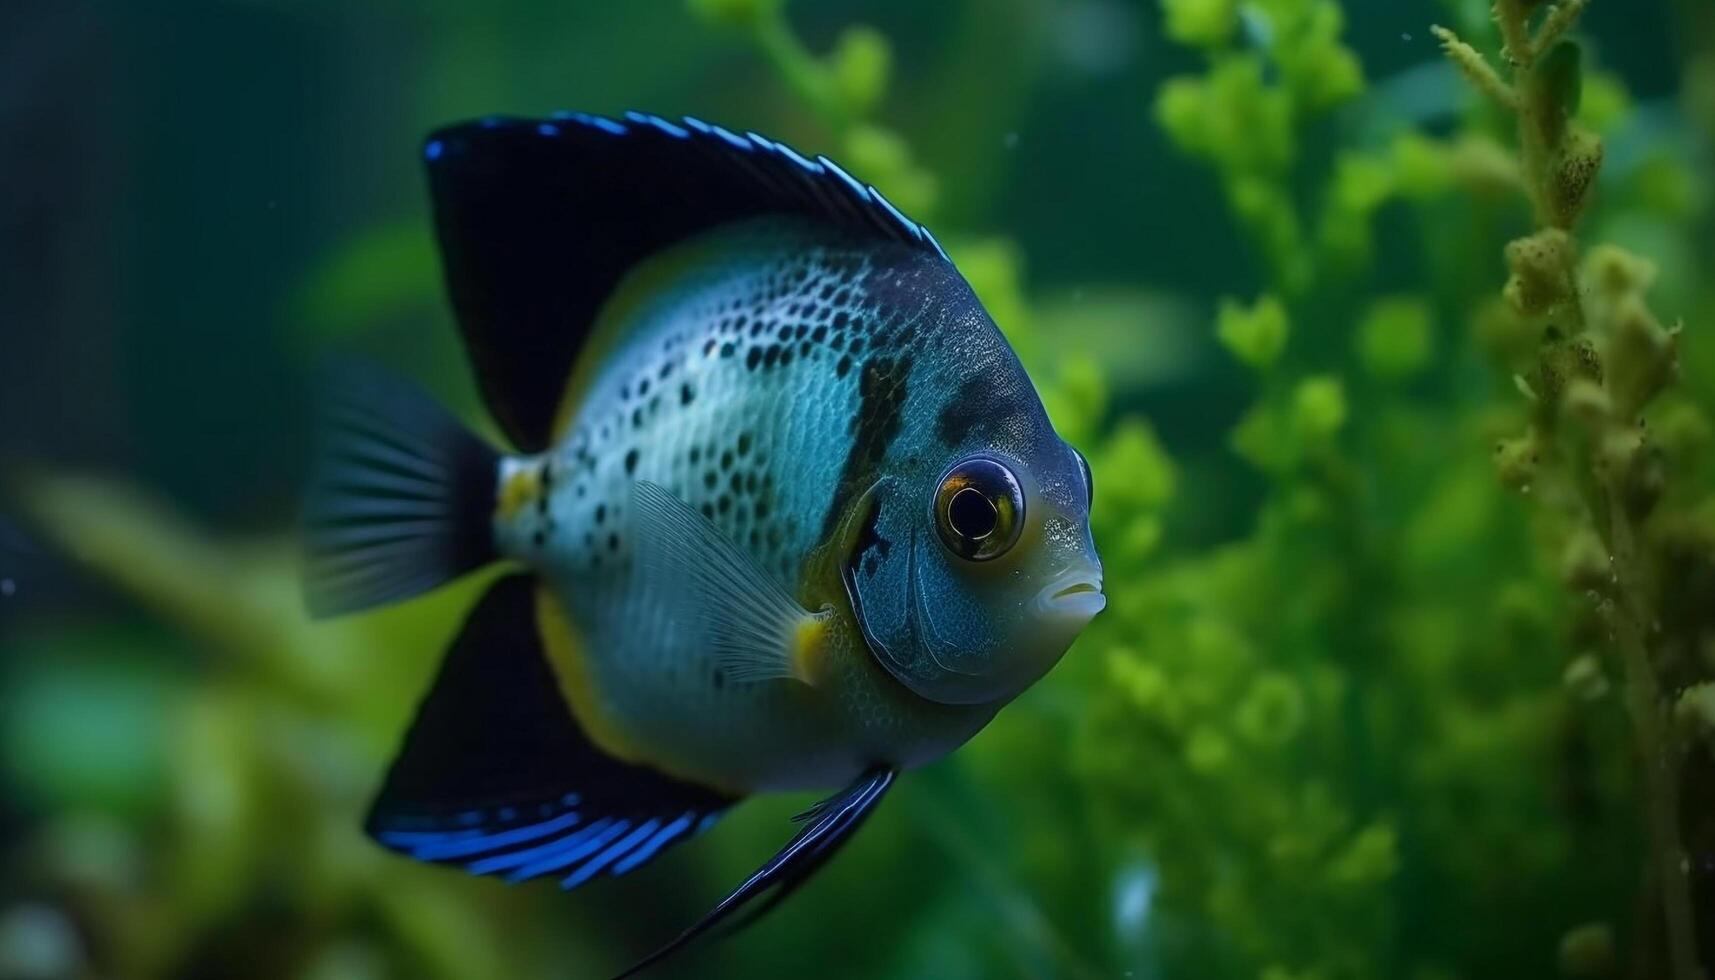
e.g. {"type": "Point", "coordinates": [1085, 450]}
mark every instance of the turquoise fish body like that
{"type": "Point", "coordinates": [785, 510]}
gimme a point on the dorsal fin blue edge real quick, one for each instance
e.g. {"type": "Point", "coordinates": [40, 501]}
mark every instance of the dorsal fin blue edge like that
{"type": "Point", "coordinates": [539, 219]}
{"type": "Point", "coordinates": [820, 181]}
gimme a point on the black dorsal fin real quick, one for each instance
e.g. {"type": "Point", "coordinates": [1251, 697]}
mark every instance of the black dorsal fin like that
{"type": "Point", "coordinates": [540, 219]}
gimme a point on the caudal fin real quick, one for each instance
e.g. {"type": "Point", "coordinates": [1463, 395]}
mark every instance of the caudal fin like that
{"type": "Point", "coordinates": [401, 497]}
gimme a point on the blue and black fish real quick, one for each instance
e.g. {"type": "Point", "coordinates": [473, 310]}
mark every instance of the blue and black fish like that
{"type": "Point", "coordinates": [785, 510]}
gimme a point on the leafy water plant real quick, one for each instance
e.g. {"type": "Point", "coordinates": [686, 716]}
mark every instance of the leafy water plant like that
{"type": "Point", "coordinates": [1610, 492]}
{"type": "Point", "coordinates": [843, 89]}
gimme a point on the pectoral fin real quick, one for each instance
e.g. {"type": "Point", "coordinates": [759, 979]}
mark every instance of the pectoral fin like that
{"type": "Point", "coordinates": [827, 827]}
{"type": "Point", "coordinates": [759, 631]}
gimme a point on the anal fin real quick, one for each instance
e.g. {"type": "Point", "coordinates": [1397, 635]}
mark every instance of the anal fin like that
{"type": "Point", "coordinates": [497, 776]}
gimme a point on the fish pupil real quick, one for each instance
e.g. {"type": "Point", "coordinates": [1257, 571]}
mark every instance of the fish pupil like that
{"type": "Point", "coordinates": [972, 515]}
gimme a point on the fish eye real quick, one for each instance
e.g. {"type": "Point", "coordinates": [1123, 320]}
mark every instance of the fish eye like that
{"type": "Point", "coordinates": [1089, 480]}
{"type": "Point", "coordinates": [979, 509]}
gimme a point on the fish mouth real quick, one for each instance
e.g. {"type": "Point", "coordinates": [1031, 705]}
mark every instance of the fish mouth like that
{"type": "Point", "coordinates": [1073, 595]}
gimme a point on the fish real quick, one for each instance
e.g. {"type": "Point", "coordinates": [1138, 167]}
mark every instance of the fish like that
{"type": "Point", "coordinates": [780, 508]}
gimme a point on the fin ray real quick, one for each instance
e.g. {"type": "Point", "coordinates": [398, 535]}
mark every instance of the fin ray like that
{"type": "Point", "coordinates": [834, 823]}
{"type": "Point", "coordinates": [751, 620]}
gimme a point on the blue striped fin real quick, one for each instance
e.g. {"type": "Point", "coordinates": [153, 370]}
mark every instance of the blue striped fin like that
{"type": "Point", "coordinates": [564, 843]}
{"type": "Point", "coordinates": [496, 777]}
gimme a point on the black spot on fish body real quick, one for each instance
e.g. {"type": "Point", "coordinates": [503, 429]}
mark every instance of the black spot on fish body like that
{"type": "Point", "coordinates": [882, 386]}
{"type": "Point", "coordinates": [844, 366]}
{"type": "Point", "coordinates": [686, 394]}
{"type": "Point", "coordinates": [753, 358]}
{"type": "Point", "coordinates": [630, 462]}
{"type": "Point", "coordinates": [976, 404]}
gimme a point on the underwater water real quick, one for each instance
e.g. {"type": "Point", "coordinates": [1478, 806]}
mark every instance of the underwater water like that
{"type": "Point", "coordinates": [1390, 349]}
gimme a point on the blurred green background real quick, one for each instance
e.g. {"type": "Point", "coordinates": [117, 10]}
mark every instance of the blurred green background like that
{"type": "Point", "coordinates": [1406, 670]}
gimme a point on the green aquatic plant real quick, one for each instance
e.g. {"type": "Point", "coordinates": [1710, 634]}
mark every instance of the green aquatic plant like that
{"type": "Point", "coordinates": [843, 89]}
{"type": "Point", "coordinates": [1615, 499]}
{"type": "Point", "coordinates": [1336, 617]}
{"type": "Point", "coordinates": [1247, 113]}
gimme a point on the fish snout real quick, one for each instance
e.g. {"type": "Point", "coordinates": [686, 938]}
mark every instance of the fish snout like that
{"type": "Point", "coordinates": [1072, 597]}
